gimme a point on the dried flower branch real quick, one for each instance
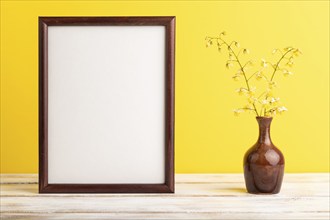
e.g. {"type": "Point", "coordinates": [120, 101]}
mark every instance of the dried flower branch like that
{"type": "Point", "coordinates": [265, 104]}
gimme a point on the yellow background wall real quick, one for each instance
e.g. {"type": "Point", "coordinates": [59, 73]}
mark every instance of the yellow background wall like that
{"type": "Point", "coordinates": [208, 138]}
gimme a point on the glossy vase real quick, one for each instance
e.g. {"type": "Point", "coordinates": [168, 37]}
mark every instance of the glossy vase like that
{"type": "Point", "coordinates": [263, 163]}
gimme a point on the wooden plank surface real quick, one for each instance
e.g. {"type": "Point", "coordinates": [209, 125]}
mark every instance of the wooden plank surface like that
{"type": "Point", "coordinates": [198, 196]}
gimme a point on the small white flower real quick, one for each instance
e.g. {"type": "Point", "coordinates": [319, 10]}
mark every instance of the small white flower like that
{"type": "Point", "coordinates": [281, 109]}
{"type": "Point", "coordinates": [246, 51]}
{"type": "Point", "coordinates": [249, 63]}
{"type": "Point", "coordinates": [290, 63]}
{"type": "Point", "coordinates": [288, 48]}
{"type": "Point", "coordinates": [231, 56]}
{"type": "Point", "coordinates": [241, 91]}
{"type": "Point", "coordinates": [264, 63]}
{"type": "Point", "coordinates": [248, 107]}
{"type": "Point", "coordinates": [252, 91]}
{"type": "Point", "coordinates": [297, 52]}
{"type": "Point", "coordinates": [274, 100]}
{"type": "Point", "coordinates": [236, 77]}
{"type": "Point", "coordinates": [269, 92]}
{"type": "Point", "coordinates": [237, 112]}
{"type": "Point", "coordinates": [252, 99]}
{"type": "Point", "coordinates": [239, 72]}
{"type": "Point", "coordinates": [287, 73]}
{"type": "Point", "coordinates": [271, 112]}
{"type": "Point", "coordinates": [209, 42]}
{"type": "Point", "coordinates": [229, 65]}
{"type": "Point", "coordinates": [274, 51]}
{"type": "Point", "coordinates": [259, 76]}
{"type": "Point", "coordinates": [272, 84]}
{"type": "Point", "coordinates": [264, 102]}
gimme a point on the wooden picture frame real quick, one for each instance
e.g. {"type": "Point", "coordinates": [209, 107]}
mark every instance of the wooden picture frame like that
{"type": "Point", "coordinates": [106, 124]}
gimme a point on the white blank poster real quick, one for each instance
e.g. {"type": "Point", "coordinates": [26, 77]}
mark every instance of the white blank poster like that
{"type": "Point", "coordinates": [106, 110]}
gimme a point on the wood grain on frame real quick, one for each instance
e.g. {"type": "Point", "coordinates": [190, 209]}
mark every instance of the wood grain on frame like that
{"type": "Point", "coordinates": [168, 186]}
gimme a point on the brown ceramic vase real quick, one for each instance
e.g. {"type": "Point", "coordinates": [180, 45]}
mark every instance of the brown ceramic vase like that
{"type": "Point", "coordinates": [263, 163]}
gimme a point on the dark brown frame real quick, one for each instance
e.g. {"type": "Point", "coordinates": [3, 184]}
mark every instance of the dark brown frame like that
{"type": "Point", "coordinates": [44, 186]}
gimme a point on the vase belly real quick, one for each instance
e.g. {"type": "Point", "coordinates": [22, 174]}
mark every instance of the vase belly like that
{"type": "Point", "coordinates": [263, 179]}
{"type": "Point", "coordinates": [263, 163]}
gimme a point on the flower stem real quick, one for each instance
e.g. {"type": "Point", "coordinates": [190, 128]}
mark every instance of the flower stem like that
{"type": "Point", "coordinates": [243, 71]}
{"type": "Point", "coordinates": [278, 63]}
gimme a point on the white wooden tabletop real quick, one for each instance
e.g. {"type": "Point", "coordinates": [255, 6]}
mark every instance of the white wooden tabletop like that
{"type": "Point", "coordinates": [197, 196]}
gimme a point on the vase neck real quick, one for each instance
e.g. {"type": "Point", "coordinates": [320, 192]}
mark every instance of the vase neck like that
{"type": "Point", "coordinates": [264, 130]}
